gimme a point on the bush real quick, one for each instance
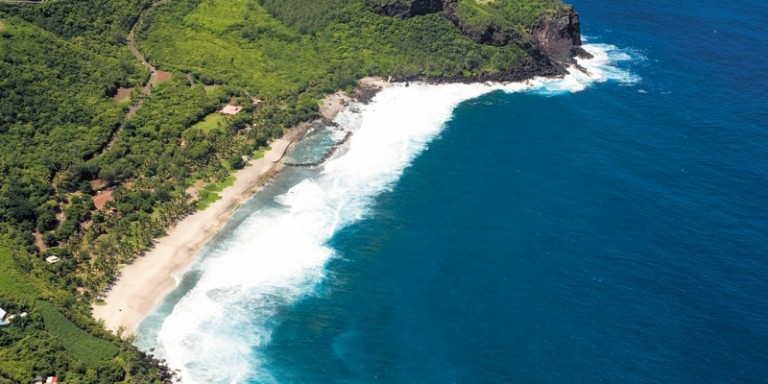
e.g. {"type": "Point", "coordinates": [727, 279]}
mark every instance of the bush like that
{"type": "Point", "coordinates": [236, 162]}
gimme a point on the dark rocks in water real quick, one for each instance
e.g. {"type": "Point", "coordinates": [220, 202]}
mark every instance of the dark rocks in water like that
{"type": "Point", "coordinates": [364, 94]}
{"type": "Point", "coordinates": [581, 53]}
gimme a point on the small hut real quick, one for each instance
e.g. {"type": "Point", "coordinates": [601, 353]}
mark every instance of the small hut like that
{"type": "Point", "coordinates": [231, 109]}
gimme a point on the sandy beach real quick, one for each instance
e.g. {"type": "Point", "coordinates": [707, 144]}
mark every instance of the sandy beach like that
{"type": "Point", "coordinates": [143, 284]}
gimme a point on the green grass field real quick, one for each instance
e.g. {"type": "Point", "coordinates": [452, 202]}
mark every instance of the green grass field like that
{"type": "Point", "coordinates": [209, 194]}
{"type": "Point", "coordinates": [210, 122]}
{"type": "Point", "coordinates": [83, 345]}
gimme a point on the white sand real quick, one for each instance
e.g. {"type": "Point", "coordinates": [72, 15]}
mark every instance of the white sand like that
{"type": "Point", "coordinates": [143, 284]}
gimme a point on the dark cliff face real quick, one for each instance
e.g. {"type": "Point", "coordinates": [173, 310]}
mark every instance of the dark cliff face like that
{"type": "Point", "coordinates": [553, 43]}
{"type": "Point", "coordinates": [559, 38]}
{"type": "Point", "coordinates": [490, 34]}
{"type": "Point", "coordinates": [406, 8]}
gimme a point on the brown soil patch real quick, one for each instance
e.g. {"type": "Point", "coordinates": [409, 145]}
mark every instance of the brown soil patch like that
{"type": "Point", "coordinates": [98, 184]}
{"type": "Point", "coordinates": [163, 76]}
{"type": "Point", "coordinates": [87, 224]}
{"type": "Point", "coordinates": [122, 94]}
{"type": "Point", "coordinates": [100, 199]}
{"type": "Point", "coordinates": [193, 192]}
{"type": "Point", "coordinates": [128, 185]}
{"type": "Point", "coordinates": [39, 241]}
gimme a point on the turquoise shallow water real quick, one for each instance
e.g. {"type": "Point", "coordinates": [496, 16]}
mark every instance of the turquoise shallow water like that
{"type": "Point", "coordinates": [618, 234]}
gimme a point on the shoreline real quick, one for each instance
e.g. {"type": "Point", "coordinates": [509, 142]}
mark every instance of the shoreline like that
{"type": "Point", "coordinates": [143, 284]}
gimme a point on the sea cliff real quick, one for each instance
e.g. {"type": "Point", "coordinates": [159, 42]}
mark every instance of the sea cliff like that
{"type": "Point", "coordinates": [552, 38]}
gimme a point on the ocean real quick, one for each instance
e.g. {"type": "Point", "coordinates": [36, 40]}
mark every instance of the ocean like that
{"type": "Point", "coordinates": [603, 229]}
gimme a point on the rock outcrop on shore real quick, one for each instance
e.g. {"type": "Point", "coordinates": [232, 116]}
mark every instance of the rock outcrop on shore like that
{"type": "Point", "coordinates": [553, 42]}
{"type": "Point", "coordinates": [559, 37]}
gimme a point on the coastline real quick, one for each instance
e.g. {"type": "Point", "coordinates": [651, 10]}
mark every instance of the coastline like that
{"type": "Point", "coordinates": [143, 284]}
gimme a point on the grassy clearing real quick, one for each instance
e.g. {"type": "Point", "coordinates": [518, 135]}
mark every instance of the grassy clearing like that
{"type": "Point", "coordinates": [83, 345]}
{"type": "Point", "coordinates": [206, 198]}
{"type": "Point", "coordinates": [210, 122]}
{"type": "Point", "coordinates": [214, 90]}
{"type": "Point", "coordinates": [209, 194]}
{"type": "Point", "coordinates": [261, 152]}
{"type": "Point", "coordinates": [218, 187]}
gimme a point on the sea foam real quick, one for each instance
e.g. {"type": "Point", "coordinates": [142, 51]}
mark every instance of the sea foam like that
{"type": "Point", "coordinates": [217, 331]}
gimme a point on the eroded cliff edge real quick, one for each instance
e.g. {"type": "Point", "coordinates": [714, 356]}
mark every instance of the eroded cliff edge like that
{"type": "Point", "coordinates": [551, 36]}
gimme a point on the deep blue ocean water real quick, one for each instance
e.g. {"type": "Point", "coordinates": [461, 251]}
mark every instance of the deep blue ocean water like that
{"type": "Point", "coordinates": [614, 235]}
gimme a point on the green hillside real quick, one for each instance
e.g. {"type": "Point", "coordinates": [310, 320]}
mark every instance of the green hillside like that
{"type": "Point", "coordinates": [97, 147]}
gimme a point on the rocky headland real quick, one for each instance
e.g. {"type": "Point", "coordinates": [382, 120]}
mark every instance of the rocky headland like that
{"type": "Point", "coordinates": [553, 41]}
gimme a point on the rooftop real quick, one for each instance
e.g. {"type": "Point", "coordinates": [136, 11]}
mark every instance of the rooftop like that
{"type": "Point", "coordinates": [231, 109]}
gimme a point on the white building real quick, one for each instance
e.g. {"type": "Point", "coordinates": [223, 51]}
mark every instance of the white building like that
{"type": "Point", "coordinates": [2, 316]}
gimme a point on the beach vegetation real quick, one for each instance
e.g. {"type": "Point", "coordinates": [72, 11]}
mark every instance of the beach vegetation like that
{"type": "Point", "coordinates": [258, 154]}
{"type": "Point", "coordinates": [206, 198]}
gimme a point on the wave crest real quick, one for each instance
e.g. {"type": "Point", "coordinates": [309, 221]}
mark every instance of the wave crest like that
{"type": "Point", "coordinates": [277, 255]}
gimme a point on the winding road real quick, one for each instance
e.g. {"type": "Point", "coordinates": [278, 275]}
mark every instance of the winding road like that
{"type": "Point", "coordinates": [153, 77]}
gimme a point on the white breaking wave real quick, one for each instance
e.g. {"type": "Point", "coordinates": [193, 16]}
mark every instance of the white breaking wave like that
{"type": "Point", "coordinates": [278, 254]}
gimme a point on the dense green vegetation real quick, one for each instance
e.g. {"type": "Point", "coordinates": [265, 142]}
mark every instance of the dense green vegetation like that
{"type": "Point", "coordinates": [57, 337]}
{"type": "Point", "coordinates": [65, 144]}
{"type": "Point", "coordinates": [509, 19]}
{"type": "Point", "coordinates": [254, 47]}
{"type": "Point", "coordinates": [81, 344]}
{"type": "Point", "coordinates": [13, 281]}
{"type": "Point", "coordinates": [526, 13]}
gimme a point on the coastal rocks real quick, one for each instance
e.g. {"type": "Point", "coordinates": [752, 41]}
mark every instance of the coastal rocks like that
{"type": "Point", "coordinates": [553, 42]}
{"type": "Point", "coordinates": [559, 37]}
